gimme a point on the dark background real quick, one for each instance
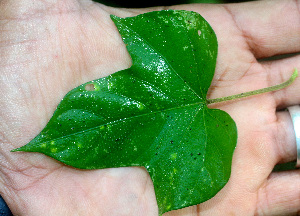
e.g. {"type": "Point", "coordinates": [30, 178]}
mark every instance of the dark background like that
{"type": "Point", "coordinates": [151, 3]}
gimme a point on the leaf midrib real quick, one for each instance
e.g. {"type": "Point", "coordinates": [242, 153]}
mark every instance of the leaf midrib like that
{"type": "Point", "coordinates": [119, 120]}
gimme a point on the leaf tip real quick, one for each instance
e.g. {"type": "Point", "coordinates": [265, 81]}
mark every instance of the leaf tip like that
{"type": "Point", "coordinates": [15, 150]}
{"type": "Point", "coordinates": [22, 148]}
{"type": "Point", "coordinates": [114, 18]}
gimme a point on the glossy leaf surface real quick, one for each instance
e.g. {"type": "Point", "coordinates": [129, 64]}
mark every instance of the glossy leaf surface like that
{"type": "Point", "coordinates": [153, 114]}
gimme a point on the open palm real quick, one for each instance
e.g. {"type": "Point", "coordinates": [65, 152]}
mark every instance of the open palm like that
{"type": "Point", "coordinates": [50, 47]}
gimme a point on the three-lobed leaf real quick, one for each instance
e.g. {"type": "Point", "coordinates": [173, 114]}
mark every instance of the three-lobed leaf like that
{"type": "Point", "coordinates": [153, 114]}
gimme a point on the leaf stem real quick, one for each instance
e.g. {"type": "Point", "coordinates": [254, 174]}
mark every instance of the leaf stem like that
{"type": "Point", "coordinates": [256, 92]}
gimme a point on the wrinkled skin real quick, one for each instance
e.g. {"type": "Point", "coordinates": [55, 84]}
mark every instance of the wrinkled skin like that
{"type": "Point", "coordinates": [49, 47]}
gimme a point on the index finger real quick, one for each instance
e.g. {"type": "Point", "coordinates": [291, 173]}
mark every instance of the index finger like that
{"type": "Point", "coordinates": [269, 27]}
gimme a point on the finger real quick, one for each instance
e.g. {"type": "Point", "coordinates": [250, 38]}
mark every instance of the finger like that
{"type": "Point", "coordinates": [284, 147]}
{"type": "Point", "coordinates": [280, 195]}
{"type": "Point", "coordinates": [270, 27]}
{"type": "Point", "coordinates": [25, 9]}
{"type": "Point", "coordinates": [280, 71]}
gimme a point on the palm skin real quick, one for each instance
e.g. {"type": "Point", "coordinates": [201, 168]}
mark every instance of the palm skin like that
{"type": "Point", "coordinates": [48, 48]}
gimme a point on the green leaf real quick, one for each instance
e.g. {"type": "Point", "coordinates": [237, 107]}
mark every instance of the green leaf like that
{"type": "Point", "coordinates": [153, 114]}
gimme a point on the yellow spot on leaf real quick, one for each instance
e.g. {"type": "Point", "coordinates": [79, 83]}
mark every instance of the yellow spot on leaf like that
{"type": "Point", "coordinates": [168, 207]}
{"type": "Point", "coordinates": [53, 150]}
{"type": "Point", "coordinates": [141, 106]}
{"type": "Point", "coordinates": [173, 156]}
{"type": "Point", "coordinates": [175, 170]}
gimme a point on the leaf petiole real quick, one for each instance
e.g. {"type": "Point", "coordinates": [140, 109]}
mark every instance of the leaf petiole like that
{"type": "Point", "coordinates": [256, 92]}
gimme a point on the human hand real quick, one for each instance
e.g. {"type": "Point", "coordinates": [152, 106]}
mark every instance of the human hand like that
{"type": "Point", "coordinates": [48, 48]}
